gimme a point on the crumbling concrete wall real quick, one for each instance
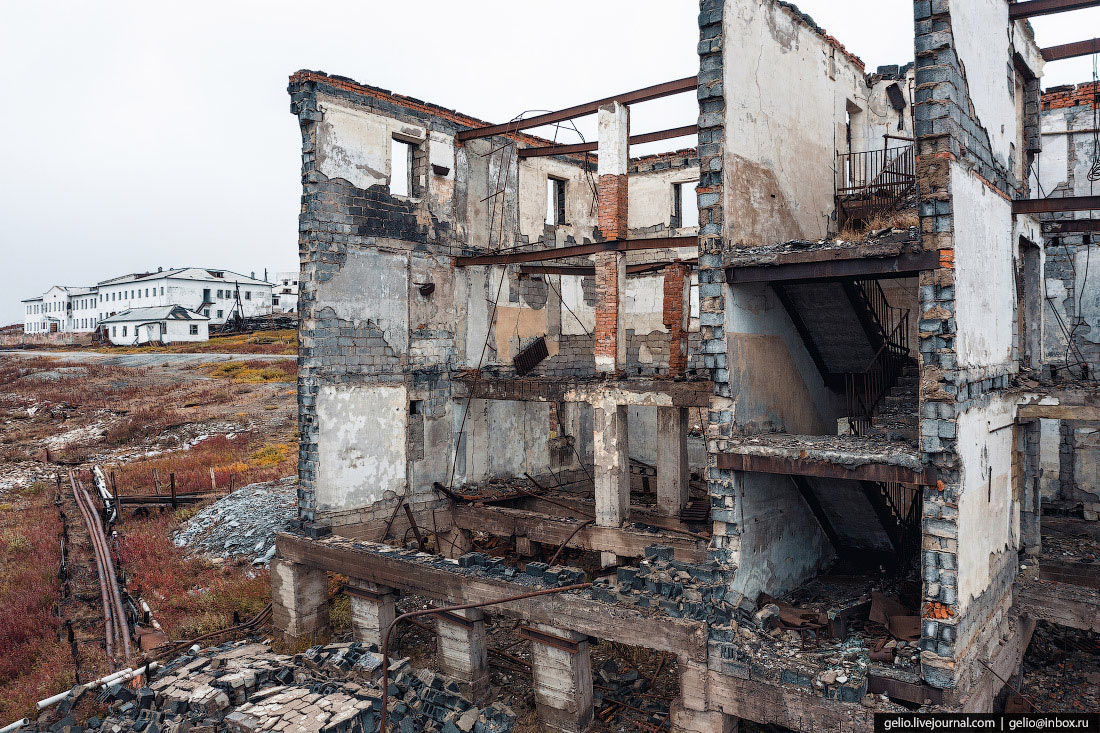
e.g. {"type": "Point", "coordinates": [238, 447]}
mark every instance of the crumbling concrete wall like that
{"type": "Point", "coordinates": [967, 121]}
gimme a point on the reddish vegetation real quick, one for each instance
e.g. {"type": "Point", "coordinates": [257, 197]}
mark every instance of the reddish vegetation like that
{"type": "Point", "coordinates": [236, 461]}
{"type": "Point", "coordinates": [189, 596]}
{"type": "Point", "coordinates": [34, 663]}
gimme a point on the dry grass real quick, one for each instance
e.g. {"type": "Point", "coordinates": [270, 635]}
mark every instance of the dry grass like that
{"type": "Point", "coordinates": [897, 220]}
{"type": "Point", "coordinates": [243, 459]}
{"type": "Point", "coordinates": [281, 341]}
{"type": "Point", "coordinates": [189, 596]}
{"type": "Point", "coordinates": [254, 371]}
{"type": "Point", "coordinates": [34, 662]}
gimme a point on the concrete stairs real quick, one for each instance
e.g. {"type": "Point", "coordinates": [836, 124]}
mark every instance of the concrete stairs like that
{"type": "Point", "coordinates": [896, 417]}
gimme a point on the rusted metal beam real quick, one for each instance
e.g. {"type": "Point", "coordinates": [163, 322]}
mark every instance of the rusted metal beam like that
{"type": "Point", "coordinates": [649, 137]}
{"type": "Point", "coordinates": [1032, 8]}
{"type": "Point", "coordinates": [583, 270]}
{"type": "Point", "coordinates": [1071, 50]}
{"type": "Point", "coordinates": [823, 469]}
{"type": "Point", "coordinates": [1072, 226]}
{"type": "Point", "coordinates": [656, 91]}
{"type": "Point", "coordinates": [1054, 204]}
{"type": "Point", "coordinates": [903, 265]}
{"type": "Point", "coordinates": [551, 640]}
{"type": "Point", "coordinates": [578, 250]}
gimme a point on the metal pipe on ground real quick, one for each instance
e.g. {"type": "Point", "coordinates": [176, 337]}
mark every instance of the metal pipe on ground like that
{"type": "Point", "coordinates": [449, 609]}
{"type": "Point", "coordinates": [124, 629]}
{"type": "Point", "coordinates": [123, 675]}
{"type": "Point", "coordinates": [108, 621]}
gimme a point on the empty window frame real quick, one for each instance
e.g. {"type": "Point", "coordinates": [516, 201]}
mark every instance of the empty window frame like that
{"type": "Point", "coordinates": [401, 156]}
{"type": "Point", "coordinates": [685, 205]}
{"type": "Point", "coordinates": [555, 201]}
{"type": "Point", "coordinates": [194, 330]}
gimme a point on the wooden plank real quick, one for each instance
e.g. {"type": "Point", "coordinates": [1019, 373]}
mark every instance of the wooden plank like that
{"type": "Point", "coordinates": [825, 469]}
{"type": "Point", "coordinates": [1074, 606]}
{"type": "Point", "coordinates": [622, 624]}
{"type": "Point", "coordinates": [553, 530]}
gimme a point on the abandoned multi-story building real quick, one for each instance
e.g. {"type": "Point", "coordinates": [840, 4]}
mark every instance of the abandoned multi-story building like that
{"type": "Point", "coordinates": [781, 394]}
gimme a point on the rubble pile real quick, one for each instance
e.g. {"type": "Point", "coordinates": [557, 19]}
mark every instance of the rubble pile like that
{"type": "Point", "coordinates": [1062, 670]}
{"type": "Point", "coordinates": [242, 524]}
{"type": "Point", "coordinates": [244, 687]}
{"type": "Point", "coordinates": [555, 576]}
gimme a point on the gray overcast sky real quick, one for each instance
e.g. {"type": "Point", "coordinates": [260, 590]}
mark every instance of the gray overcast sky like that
{"type": "Point", "coordinates": [145, 134]}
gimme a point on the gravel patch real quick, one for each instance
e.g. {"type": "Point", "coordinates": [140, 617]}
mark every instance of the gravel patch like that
{"type": "Point", "coordinates": [244, 524]}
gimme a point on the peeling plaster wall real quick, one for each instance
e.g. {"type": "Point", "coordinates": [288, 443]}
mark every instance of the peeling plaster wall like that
{"type": "Point", "coordinates": [580, 205]}
{"type": "Point", "coordinates": [371, 289]}
{"type": "Point", "coordinates": [785, 117]}
{"type": "Point", "coordinates": [985, 293]}
{"type": "Point", "coordinates": [988, 508]}
{"type": "Point", "coordinates": [982, 33]}
{"type": "Point", "coordinates": [355, 145]}
{"type": "Point", "coordinates": [361, 445]}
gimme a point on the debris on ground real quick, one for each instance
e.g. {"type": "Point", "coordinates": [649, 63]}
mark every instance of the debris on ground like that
{"type": "Point", "coordinates": [244, 686]}
{"type": "Point", "coordinates": [242, 524]}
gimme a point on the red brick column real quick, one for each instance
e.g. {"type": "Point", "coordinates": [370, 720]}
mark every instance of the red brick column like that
{"type": "Point", "coordinates": [677, 317]}
{"type": "Point", "coordinates": [614, 154]}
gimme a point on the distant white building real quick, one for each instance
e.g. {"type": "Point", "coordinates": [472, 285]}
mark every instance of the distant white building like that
{"type": "Point", "coordinates": [164, 324]}
{"type": "Point", "coordinates": [284, 299]}
{"type": "Point", "coordinates": [215, 294]}
{"type": "Point", "coordinates": [61, 310]}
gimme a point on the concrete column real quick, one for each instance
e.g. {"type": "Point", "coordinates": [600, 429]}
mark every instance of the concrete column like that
{"type": "Point", "coordinates": [677, 316]}
{"type": "Point", "coordinates": [693, 721]}
{"type": "Point", "coordinates": [371, 616]}
{"type": "Point", "coordinates": [612, 467]}
{"type": "Point", "coordinates": [672, 460]}
{"type": "Point", "coordinates": [299, 600]}
{"type": "Point", "coordinates": [463, 653]}
{"type": "Point", "coordinates": [614, 158]}
{"type": "Point", "coordinates": [563, 683]}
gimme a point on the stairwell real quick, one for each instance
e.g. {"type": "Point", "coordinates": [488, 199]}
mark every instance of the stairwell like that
{"type": "Point", "coordinates": [896, 418]}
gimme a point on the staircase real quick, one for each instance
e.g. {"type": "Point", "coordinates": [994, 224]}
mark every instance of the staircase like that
{"type": "Point", "coordinates": [895, 418]}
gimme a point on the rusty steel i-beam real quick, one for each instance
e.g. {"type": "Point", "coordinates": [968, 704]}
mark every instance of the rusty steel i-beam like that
{"type": "Point", "coordinates": [1071, 50]}
{"type": "Point", "coordinates": [578, 250]}
{"type": "Point", "coordinates": [1055, 204]}
{"type": "Point", "coordinates": [656, 91]}
{"type": "Point", "coordinates": [649, 137]}
{"type": "Point", "coordinates": [1032, 8]}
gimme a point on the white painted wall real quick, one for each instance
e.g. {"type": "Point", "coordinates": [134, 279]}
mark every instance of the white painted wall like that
{"type": "Point", "coordinates": [982, 40]}
{"type": "Point", "coordinates": [985, 297]}
{"type": "Point", "coordinates": [787, 92]}
{"type": "Point", "coordinates": [354, 144]}
{"type": "Point", "coordinates": [361, 443]}
{"type": "Point", "coordinates": [117, 297]}
{"type": "Point", "coordinates": [135, 333]}
{"type": "Point", "coordinates": [989, 514]}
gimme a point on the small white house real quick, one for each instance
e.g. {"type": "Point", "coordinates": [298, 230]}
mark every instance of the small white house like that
{"type": "Point", "coordinates": [155, 325]}
{"type": "Point", "coordinates": [284, 299]}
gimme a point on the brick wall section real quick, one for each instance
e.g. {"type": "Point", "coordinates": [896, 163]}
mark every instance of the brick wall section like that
{"type": "Point", "coordinates": [613, 208]}
{"type": "Point", "coordinates": [712, 281]}
{"type": "Point", "coordinates": [1070, 96]}
{"type": "Point", "coordinates": [946, 132]}
{"type": "Point", "coordinates": [675, 317]}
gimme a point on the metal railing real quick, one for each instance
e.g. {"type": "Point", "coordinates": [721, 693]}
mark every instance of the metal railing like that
{"type": "Point", "coordinates": [874, 181]}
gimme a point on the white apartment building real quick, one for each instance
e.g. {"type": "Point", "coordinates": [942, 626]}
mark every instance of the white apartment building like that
{"type": "Point", "coordinates": [61, 309]}
{"type": "Point", "coordinates": [213, 293]}
{"type": "Point", "coordinates": [284, 299]}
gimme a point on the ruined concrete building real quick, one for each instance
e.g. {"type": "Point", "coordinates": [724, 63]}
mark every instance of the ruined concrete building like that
{"type": "Point", "coordinates": [804, 432]}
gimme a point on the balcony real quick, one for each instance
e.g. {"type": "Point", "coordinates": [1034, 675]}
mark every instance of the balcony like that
{"type": "Point", "coordinates": [872, 185]}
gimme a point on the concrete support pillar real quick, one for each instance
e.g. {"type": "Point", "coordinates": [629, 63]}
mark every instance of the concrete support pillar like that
{"type": "Point", "coordinates": [612, 467]}
{"type": "Point", "coordinates": [372, 610]}
{"type": "Point", "coordinates": [677, 317]}
{"type": "Point", "coordinates": [463, 653]}
{"type": "Point", "coordinates": [693, 721]}
{"type": "Point", "coordinates": [563, 683]}
{"type": "Point", "coordinates": [299, 600]}
{"type": "Point", "coordinates": [614, 158]}
{"type": "Point", "coordinates": [672, 460]}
